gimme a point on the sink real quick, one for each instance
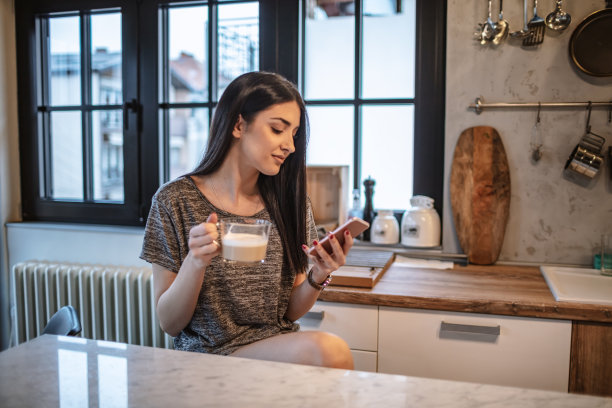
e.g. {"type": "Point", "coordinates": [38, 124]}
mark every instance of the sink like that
{"type": "Point", "coordinates": [578, 284]}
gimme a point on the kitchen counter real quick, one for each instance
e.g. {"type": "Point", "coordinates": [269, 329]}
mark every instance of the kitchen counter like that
{"type": "Point", "coordinates": [497, 289]}
{"type": "Point", "coordinates": [505, 290]}
{"type": "Point", "coordinates": [68, 371]}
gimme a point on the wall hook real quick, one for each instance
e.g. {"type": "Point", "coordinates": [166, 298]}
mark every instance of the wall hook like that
{"type": "Point", "coordinates": [588, 124]}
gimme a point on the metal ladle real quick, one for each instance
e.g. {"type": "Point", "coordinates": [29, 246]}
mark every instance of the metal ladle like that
{"type": "Point", "coordinates": [502, 27]}
{"type": "Point", "coordinates": [558, 20]}
{"type": "Point", "coordinates": [525, 31]}
{"type": "Point", "coordinates": [488, 28]}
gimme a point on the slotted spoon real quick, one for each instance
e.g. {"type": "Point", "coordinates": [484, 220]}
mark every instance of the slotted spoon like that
{"type": "Point", "coordinates": [536, 25]}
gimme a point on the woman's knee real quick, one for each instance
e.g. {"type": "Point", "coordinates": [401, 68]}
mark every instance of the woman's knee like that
{"type": "Point", "coordinates": [329, 350]}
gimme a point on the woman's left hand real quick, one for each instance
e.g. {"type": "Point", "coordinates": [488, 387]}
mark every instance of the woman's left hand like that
{"type": "Point", "coordinates": [324, 262]}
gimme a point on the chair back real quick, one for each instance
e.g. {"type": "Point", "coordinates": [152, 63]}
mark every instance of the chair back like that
{"type": "Point", "coordinates": [64, 322]}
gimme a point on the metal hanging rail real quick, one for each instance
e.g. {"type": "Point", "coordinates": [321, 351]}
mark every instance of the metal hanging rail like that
{"type": "Point", "coordinates": [480, 105]}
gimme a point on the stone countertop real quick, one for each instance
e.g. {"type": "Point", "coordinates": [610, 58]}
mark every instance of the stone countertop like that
{"type": "Point", "coordinates": [496, 289]}
{"type": "Point", "coordinates": [68, 371]}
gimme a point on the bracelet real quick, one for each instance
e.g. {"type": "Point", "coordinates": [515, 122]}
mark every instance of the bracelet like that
{"type": "Point", "coordinates": [318, 286]}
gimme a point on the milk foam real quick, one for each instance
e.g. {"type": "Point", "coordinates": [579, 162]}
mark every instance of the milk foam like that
{"type": "Point", "coordinates": [243, 240]}
{"type": "Point", "coordinates": [243, 247]}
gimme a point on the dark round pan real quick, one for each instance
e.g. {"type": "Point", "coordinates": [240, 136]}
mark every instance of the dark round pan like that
{"type": "Point", "coordinates": [590, 46]}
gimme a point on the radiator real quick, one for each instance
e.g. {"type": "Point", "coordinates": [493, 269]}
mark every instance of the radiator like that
{"type": "Point", "coordinates": [114, 303]}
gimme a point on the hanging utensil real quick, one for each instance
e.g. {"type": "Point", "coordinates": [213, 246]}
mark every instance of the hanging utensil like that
{"type": "Point", "coordinates": [586, 159]}
{"type": "Point", "coordinates": [487, 29]}
{"type": "Point", "coordinates": [502, 27]}
{"type": "Point", "coordinates": [590, 46]}
{"type": "Point", "coordinates": [520, 34]}
{"type": "Point", "coordinates": [558, 20]}
{"type": "Point", "coordinates": [536, 28]}
{"type": "Point", "coordinates": [536, 138]}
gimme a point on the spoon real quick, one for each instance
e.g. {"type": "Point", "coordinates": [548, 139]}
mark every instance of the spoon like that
{"type": "Point", "coordinates": [488, 28]}
{"type": "Point", "coordinates": [558, 20]}
{"type": "Point", "coordinates": [502, 27]}
{"type": "Point", "coordinates": [525, 31]}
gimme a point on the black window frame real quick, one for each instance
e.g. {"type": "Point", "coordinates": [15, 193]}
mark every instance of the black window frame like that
{"type": "Point", "coordinates": [279, 52]}
{"type": "Point", "coordinates": [35, 207]}
{"type": "Point", "coordinates": [428, 100]}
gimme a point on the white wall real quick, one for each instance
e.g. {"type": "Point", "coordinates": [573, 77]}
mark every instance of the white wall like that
{"type": "Point", "coordinates": [551, 219]}
{"type": "Point", "coordinates": [96, 244]}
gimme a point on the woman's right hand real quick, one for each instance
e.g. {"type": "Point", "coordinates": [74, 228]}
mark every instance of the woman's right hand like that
{"type": "Point", "coordinates": [203, 245]}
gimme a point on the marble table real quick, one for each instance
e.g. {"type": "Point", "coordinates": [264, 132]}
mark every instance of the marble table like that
{"type": "Point", "coordinates": [52, 371]}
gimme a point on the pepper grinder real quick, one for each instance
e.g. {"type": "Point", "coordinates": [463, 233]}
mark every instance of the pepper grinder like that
{"type": "Point", "coordinates": [368, 210]}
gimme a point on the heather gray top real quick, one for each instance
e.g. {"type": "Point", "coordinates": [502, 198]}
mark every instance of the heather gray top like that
{"type": "Point", "coordinates": [237, 304]}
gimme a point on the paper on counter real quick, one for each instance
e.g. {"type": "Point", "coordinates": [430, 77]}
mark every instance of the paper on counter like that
{"type": "Point", "coordinates": [406, 262]}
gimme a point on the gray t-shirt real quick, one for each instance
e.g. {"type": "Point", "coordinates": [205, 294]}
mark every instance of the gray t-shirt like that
{"type": "Point", "coordinates": [237, 304]}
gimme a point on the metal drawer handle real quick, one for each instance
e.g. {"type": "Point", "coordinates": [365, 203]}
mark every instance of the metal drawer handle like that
{"type": "Point", "coordinates": [314, 315]}
{"type": "Point", "coordinates": [468, 328]}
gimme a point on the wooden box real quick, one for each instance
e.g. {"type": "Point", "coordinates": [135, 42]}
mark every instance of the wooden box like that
{"type": "Point", "coordinates": [328, 190]}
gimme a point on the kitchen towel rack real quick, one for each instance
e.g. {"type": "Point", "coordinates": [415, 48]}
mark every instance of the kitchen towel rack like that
{"type": "Point", "coordinates": [479, 105]}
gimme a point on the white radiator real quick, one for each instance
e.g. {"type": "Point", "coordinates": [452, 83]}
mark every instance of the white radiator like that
{"type": "Point", "coordinates": [114, 303]}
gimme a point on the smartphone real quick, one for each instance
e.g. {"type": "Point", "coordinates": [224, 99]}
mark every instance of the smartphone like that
{"type": "Point", "coordinates": [354, 225]}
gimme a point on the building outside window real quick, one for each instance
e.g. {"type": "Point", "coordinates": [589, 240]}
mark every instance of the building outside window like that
{"type": "Point", "coordinates": [358, 82]}
{"type": "Point", "coordinates": [122, 93]}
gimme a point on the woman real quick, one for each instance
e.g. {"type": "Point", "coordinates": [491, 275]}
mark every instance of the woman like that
{"type": "Point", "coordinates": [254, 167]}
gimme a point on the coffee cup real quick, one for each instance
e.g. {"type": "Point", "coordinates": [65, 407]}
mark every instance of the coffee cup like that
{"type": "Point", "coordinates": [245, 241]}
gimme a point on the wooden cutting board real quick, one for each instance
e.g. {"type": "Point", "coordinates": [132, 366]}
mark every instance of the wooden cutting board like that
{"type": "Point", "coordinates": [363, 269]}
{"type": "Point", "coordinates": [480, 193]}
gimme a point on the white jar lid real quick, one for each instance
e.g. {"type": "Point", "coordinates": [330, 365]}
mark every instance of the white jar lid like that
{"type": "Point", "coordinates": [422, 201]}
{"type": "Point", "coordinates": [385, 213]}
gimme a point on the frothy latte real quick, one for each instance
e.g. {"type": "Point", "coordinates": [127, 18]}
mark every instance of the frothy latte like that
{"type": "Point", "coordinates": [242, 247]}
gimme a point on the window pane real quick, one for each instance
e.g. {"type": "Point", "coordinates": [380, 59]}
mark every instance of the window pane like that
{"type": "Point", "coordinates": [188, 138]}
{"type": "Point", "coordinates": [107, 132]}
{"type": "Point", "coordinates": [66, 156]}
{"type": "Point", "coordinates": [188, 54]}
{"type": "Point", "coordinates": [387, 153]}
{"type": "Point", "coordinates": [330, 51]}
{"type": "Point", "coordinates": [106, 60]}
{"type": "Point", "coordinates": [65, 61]}
{"type": "Point", "coordinates": [388, 49]}
{"type": "Point", "coordinates": [238, 41]}
{"type": "Point", "coordinates": [331, 137]}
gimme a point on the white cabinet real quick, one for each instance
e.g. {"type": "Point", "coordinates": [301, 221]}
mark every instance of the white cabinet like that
{"type": "Point", "coordinates": [356, 324]}
{"type": "Point", "coordinates": [490, 349]}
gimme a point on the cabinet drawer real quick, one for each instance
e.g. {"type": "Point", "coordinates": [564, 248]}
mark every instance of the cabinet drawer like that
{"type": "Point", "coordinates": [364, 360]}
{"type": "Point", "coordinates": [356, 324]}
{"type": "Point", "coordinates": [502, 350]}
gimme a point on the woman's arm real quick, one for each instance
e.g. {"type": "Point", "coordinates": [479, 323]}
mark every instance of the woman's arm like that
{"type": "Point", "coordinates": [303, 294]}
{"type": "Point", "coordinates": [176, 294]}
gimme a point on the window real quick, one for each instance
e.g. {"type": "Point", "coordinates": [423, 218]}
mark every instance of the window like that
{"type": "Point", "coordinates": [189, 83]}
{"type": "Point", "coordinates": [80, 106]}
{"type": "Point", "coordinates": [122, 93]}
{"type": "Point", "coordinates": [373, 84]}
{"type": "Point", "coordinates": [116, 96]}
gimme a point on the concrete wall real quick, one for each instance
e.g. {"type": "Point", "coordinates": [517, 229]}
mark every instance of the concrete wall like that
{"type": "Point", "coordinates": [551, 219]}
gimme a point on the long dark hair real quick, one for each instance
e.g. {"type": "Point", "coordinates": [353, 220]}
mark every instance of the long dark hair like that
{"type": "Point", "coordinates": [284, 194]}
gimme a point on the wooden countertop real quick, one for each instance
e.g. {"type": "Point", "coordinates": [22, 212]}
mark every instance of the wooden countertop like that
{"type": "Point", "coordinates": [497, 289]}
